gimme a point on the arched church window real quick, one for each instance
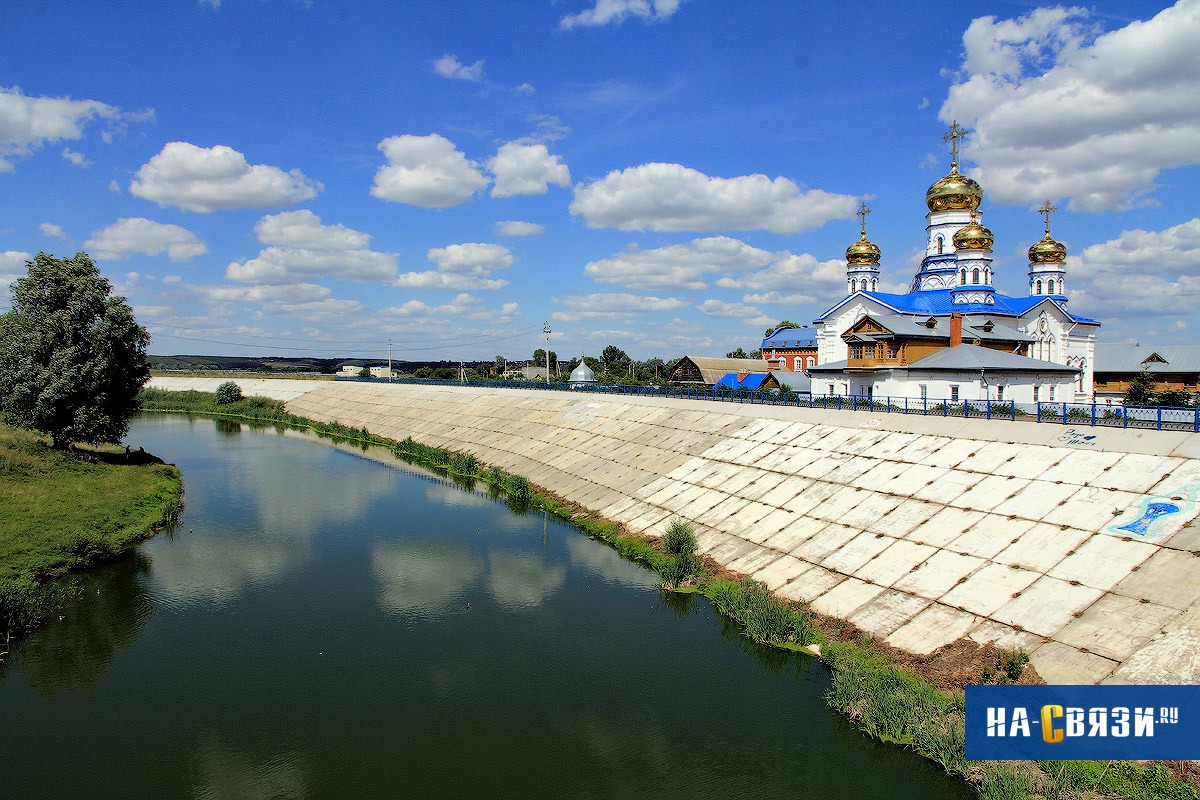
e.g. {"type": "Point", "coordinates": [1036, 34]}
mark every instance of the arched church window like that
{"type": "Point", "coordinates": [863, 285]}
{"type": "Point", "coordinates": [962, 277]}
{"type": "Point", "coordinates": [975, 275]}
{"type": "Point", "coordinates": [940, 245]}
{"type": "Point", "coordinates": [1039, 287]}
{"type": "Point", "coordinates": [1050, 287]}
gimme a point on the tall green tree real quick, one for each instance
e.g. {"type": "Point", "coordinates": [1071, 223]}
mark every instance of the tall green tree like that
{"type": "Point", "coordinates": [72, 356]}
{"type": "Point", "coordinates": [1140, 391]}
{"type": "Point", "coordinates": [782, 324]}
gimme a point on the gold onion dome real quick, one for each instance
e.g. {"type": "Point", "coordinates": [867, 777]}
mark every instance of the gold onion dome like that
{"type": "Point", "coordinates": [955, 192]}
{"type": "Point", "coordinates": [1047, 251]}
{"type": "Point", "coordinates": [973, 236]}
{"type": "Point", "coordinates": [863, 251]}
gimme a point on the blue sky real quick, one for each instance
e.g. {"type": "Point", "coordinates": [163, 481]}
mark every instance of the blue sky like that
{"type": "Point", "coordinates": [271, 177]}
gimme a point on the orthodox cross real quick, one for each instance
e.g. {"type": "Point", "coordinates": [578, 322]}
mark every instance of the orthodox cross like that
{"type": "Point", "coordinates": [955, 133]}
{"type": "Point", "coordinates": [862, 216]}
{"type": "Point", "coordinates": [1047, 209]}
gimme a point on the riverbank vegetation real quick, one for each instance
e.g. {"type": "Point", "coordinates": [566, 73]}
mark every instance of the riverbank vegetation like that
{"type": "Point", "coordinates": [914, 702]}
{"type": "Point", "coordinates": [65, 510]}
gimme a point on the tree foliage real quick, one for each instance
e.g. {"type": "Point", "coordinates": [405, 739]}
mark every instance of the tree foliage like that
{"type": "Point", "coordinates": [785, 323]}
{"type": "Point", "coordinates": [72, 356]}
{"type": "Point", "coordinates": [228, 392]}
{"type": "Point", "coordinates": [1140, 391]}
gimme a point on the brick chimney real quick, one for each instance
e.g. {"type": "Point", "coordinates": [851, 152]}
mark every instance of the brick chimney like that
{"type": "Point", "coordinates": [955, 329]}
{"type": "Point", "coordinates": [742, 375]}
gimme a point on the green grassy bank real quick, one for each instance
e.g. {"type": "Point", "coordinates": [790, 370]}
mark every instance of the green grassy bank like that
{"type": "Point", "coordinates": [870, 684]}
{"type": "Point", "coordinates": [63, 511]}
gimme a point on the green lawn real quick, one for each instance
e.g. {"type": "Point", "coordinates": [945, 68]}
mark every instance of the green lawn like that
{"type": "Point", "coordinates": [62, 511]}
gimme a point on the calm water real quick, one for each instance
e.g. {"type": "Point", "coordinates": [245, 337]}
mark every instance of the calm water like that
{"type": "Point", "coordinates": [305, 633]}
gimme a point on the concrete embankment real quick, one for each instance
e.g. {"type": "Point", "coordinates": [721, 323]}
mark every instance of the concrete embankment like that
{"type": "Point", "coordinates": [1078, 544]}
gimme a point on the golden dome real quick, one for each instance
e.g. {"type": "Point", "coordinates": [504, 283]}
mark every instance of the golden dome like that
{"type": "Point", "coordinates": [955, 192]}
{"type": "Point", "coordinates": [973, 236]}
{"type": "Point", "coordinates": [863, 251]}
{"type": "Point", "coordinates": [1047, 251]}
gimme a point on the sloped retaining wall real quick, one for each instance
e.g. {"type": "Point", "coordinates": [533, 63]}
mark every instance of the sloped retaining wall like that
{"type": "Point", "coordinates": [1078, 545]}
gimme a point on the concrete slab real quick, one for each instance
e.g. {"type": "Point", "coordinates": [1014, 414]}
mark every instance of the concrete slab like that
{"type": "Point", "coordinates": [1102, 561]}
{"type": "Point", "coordinates": [771, 524]}
{"type": "Point", "coordinates": [816, 493]}
{"type": "Point", "coordinates": [989, 589]}
{"type": "Point", "coordinates": [1037, 500]}
{"type": "Point", "coordinates": [853, 555]}
{"type": "Point", "coordinates": [903, 518]}
{"type": "Point", "coordinates": [1135, 472]}
{"type": "Point", "coordinates": [989, 493]}
{"type": "Point", "coordinates": [881, 475]}
{"type": "Point", "coordinates": [888, 611]}
{"type": "Point", "coordinates": [945, 526]}
{"type": "Point", "coordinates": [810, 585]}
{"type": "Point", "coordinates": [989, 456]}
{"type": "Point", "coordinates": [940, 573]}
{"type": "Point", "coordinates": [900, 558]}
{"type": "Point", "coordinates": [987, 537]}
{"type": "Point", "coordinates": [1047, 606]}
{"type": "Point", "coordinates": [869, 506]}
{"type": "Point", "coordinates": [1092, 508]}
{"type": "Point", "coordinates": [1004, 636]}
{"type": "Point", "coordinates": [948, 487]}
{"type": "Point", "coordinates": [1169, 578]}
{"type": "Point", "coordinates": [835, 507]}
{"type": "Point", "coordinates": [1032, 462]}
{"type": "Point", "coordinates": [785, 489]}
{"type": "Point", "coordinates": [1058, 663]}
{"type": "Point", "coordinates": [799, 531]}
{"type": "Point", "coordinates": [951, 453]}
{"type": "Point", "coordinates": [1171, 657]}
{"type": "Point", "coordinates": [1114, 626]}
{"type": "Point", "coordinates": [1080, 466]}
{"type": "Point", "coordinates": [780, 571]}
{"type": "Point", "coordinates": [1042, 546]}
{"type": "Point", "coordinates": [916, 478]}
{"type": "Point", "coordinates": [936, 626]}
{"type": "Point", "coordinates": [753, 560]}
{"type": "Point", "coordinates": [824, 542]}
{"type": "Point", "coordinates": [846, 598]}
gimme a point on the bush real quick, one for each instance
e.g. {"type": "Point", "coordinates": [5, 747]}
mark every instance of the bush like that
{"type": "Point", "coordinates": [228, 392]}
{"type": "Point", "coordinates": [680, 539]}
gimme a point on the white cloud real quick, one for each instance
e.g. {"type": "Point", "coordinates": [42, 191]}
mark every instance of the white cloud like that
{"type": "Point", "coordinates": [678, 266]}
{"type": "Point", "coordinates": [512, 227]}
{"type": "Point", "coordinates": [217, 179]}
{"type": "Point", "coordinates": [27, 123]}
{"type": "Point", "coordinates": [1140, 273]}
{"type": "Point", "coordinates": [463, 308]}
{"type": "Point", "coordinates": [819, 280]}
{"type": "Point", "coordinates": [461, 266]}
{"type": "Point", "coordinates": [448, 66]}
{"type": "Point", "coordinates": [130, 235]}
{"type": "Point", "coordinates": [740, 311]}
{"type": "Point", "coordinates": [52, 231]}
{"type": "Point", "coordinates": [114, 187]}
{"type": "Point", "coordinates": [671, 197]}
{"type": "Point", "coordinates": [309, 302]}
{"type": "Point", "coordinates": [12, 266]}
{"type": "Point", "coordinates": [76, 158]}
{"type": "Point", "coordinates": [1060, 110]}
{"type": "Point", "coordinates": [526, 169]}
{"type": "Point", "coordinates": [302, 247]}
{"type": "Point", "coordinates": [614, 12]}
{"type": "Point", "coordinates": [614, 306]}
{"type": "Point", "coordinates": [427, 171]}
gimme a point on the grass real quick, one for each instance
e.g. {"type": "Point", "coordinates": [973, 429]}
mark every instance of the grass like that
{"type": "Point", "coordinates": [884, 699]}
{"type": "Point", "coordinates": [63, 511]}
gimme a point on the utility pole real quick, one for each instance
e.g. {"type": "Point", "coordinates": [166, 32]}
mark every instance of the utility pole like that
{"type": "Point", "coordinates": [389, 360]}
{"type": "Point", "coordinates": [546, 330]}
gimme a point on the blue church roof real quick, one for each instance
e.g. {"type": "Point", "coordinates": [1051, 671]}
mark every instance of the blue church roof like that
{"type": "Point", "coordinates": [938, 302]}
{"type": "Point", "coordinates": [789, 337]}
{"type": "Point", "coordinates": [754, 380]}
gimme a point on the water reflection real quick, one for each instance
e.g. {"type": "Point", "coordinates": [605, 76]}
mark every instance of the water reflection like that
{"type": "Point", "coordinates": [519, 581]}
{"type": "Point", "coordinates": [102, 612]}
{"type": "Point", "coordinates": [607, 563]}
{"type": "Point", "coordinates": [423, 577]}
{"type": "Point", "coordinates": [228, 773]}
{"type": "Point", "coordinates": [202, 569]}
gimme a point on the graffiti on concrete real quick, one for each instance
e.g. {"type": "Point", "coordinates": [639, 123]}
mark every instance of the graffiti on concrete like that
{"type": "Point", "coordinates": [1152, 512]}
{"type": "Point", "coordinates": [1073, 437]}
{"type": "Point", "coordinates": [1158, 517]}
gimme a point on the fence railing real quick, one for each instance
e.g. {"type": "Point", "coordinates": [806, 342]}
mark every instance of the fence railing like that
{"type": "Point", "coordinates": [1091, 414]}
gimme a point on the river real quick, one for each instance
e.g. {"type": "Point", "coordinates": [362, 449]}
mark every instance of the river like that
{"type": "Point", "coordinates": [328, 623]}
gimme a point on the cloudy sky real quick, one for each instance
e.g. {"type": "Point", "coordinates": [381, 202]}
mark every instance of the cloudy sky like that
{"type": "Point", "coordinates": [278, 177]}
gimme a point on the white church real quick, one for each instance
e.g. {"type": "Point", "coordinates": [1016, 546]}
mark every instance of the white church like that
{"type": "Point", "coordinates": [952, 336]}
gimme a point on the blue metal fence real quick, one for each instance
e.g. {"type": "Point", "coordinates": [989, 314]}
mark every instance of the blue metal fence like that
{"type": "Point", "coordinates": [1091, 414]}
